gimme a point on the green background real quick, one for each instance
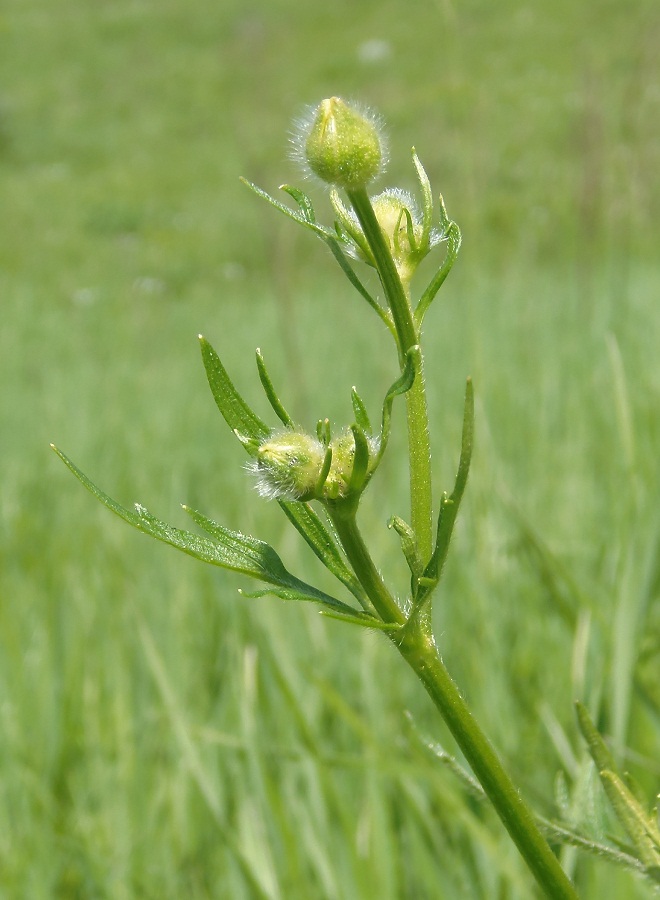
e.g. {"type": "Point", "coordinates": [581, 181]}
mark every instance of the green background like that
{"type": "Point", "coordinates": [162, 737]}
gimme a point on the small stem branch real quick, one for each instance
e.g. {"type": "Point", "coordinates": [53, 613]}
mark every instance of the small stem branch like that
{"type": "Point", "coordinates": [364, 566]}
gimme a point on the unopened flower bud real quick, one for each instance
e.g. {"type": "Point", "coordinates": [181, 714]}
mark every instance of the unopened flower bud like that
{"type": "Point", "coordinates": [342, 144]}
{"type": "Point", "coordinates": [343, 460]}
{"type": "Point", "coordinates": [398, 215]}
{"type": "Point", "coordinates": [403, 229]}
{"type": "Point", "coordinates": [288, 465]}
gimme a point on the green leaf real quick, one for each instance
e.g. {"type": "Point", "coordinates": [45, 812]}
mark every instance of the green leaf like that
{"type": "Point", "coordinates": [228, 549]}
{"type": "Point", "coordinates": [241, 418]}
{"type": "Point", "coordinates": [634, 819]}
{"type": "Point", "coordinates": [360, 412]}
{"type": "Point", "coordinates": [403, 383]}
{"type": "Point", "coordinates": [269, 390]}
{"type": "Point", "coordinates": [366, 621]}
{"type": "Point", "coordinates": [323, 545]}
{"type": "Point", "coordinates": [558, 832]}
{"type": "Point", "coordinates": [452, 233]}
{"type": "Point", "coordinates": [640, 826]}
{"type": "Point", "coordinates": [303, 201]}
{"type": "Point", "coordinates": [307, 218]}
{"type": "Point", "coordinates": [427, 202]}
{"type": "Point", "coordinates": [449, 505]}
{"type": "Point", "coordinates": [598, 749]}
{"type": "Point", "coordinates": [300, 217]}
{"type": "Point", "coordinates": [360, 460]}
{"type": "Point", "coordinates": [235, 411]}
{"type": "Point", "coordinates": [349, 225]}
{"type": "Point", "coordinates": [349, 272]}
{"type": "Point", "coordinates": [409, 548]}
{"type": "Point", "coordinates": [410, 231]}
{"type": "Point", "coordinates": [275, 573]}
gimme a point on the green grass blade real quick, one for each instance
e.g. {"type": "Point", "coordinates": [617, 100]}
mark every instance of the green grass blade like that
{"type": "Point", "coordinates": [634, 819]}
{"type": "Point", "coordinates": [598, 749]}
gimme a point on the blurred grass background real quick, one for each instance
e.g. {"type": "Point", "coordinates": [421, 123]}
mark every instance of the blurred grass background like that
{"type": "Point", "coordinates": [162, 737]}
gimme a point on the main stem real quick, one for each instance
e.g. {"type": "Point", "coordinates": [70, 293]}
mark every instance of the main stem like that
{"type": "Point", "coordinates": [419, 442]}
{"type": "Point", "coordinates": [418, 648]}
{"type": "Point", "coordinates": [419, 448]}
{"type": "Point", "coordinates": [422, 656]}
{"type": "Point", "coordinates": [416, 644]}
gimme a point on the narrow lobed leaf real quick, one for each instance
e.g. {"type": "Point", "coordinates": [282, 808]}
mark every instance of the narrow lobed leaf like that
{"type": "Point", "coordinates": [231, 550]}
{"type": "Point", "coordinates": [235, 411]}
{"type": "Point", "coordinates": [427, 200]}
{"type": "Point", "coordinates": [409, 548]}
{"type": "Point", "coordinates": [360, 412]}
{"type": "Point", "coordinates": [360, 460]}
{"type": "Point", "coordinates": [274, 571]}
{"type": "Point", "coordinates": [299, 217]}
{"type": "Point", "coordinates": [403, 383]}
{"type": "Point", "coordinates": [303, 201]}
{"type": "Point", "coordinates": [449, 505]}
{"type": "Point", "coordinates": [269, 390]}
{"type": "Point", "coordinates": [323, 545]}
{"type": "Point", "coordinates": [349, 272]}
{"type": "Point", "coordinates": [366, 621]}
{"type": "Point", "coordinates": [634, 819]}
{"type": "Point", "coordinates": [241, 419]}
{"type": "Point", "coordinates": [307, 218]}
{"type": "Point", "coordinates": [452, 233]}
{"type": "Point", "coordinates": [228, 549]}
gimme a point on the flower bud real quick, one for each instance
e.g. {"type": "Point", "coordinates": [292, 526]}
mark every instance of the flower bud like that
{"type": "Point", "coordinates": [392, 208]}
{"type": "Point", "coordinates": [288, 466]}
{"type": "Point", "coordinates": [402, 225]}
{"type": "Point", "coordinates": [343, 455]}
{"type": "Point", "coordinates": [342, 145]}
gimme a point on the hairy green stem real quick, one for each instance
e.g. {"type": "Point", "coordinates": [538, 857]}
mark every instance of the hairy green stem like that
{"type": "Point", "coordinates": [419, 444]}
{"type": "Point", "coordinates": [419, 447]}
{"type": "Point", "coordinates": [421, 654]}
{"type": "Point", "coordinates": [418, 648]}
{"type": "Point", "coordinates": [415, 641]}
{"type": "Point", "coordinates": [394, 291]}
{"type": "Point", "coordinates": [363, 565]}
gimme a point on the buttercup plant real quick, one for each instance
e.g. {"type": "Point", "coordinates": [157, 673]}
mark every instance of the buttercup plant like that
{"type": "Point", "coordinates": [392, 232]}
